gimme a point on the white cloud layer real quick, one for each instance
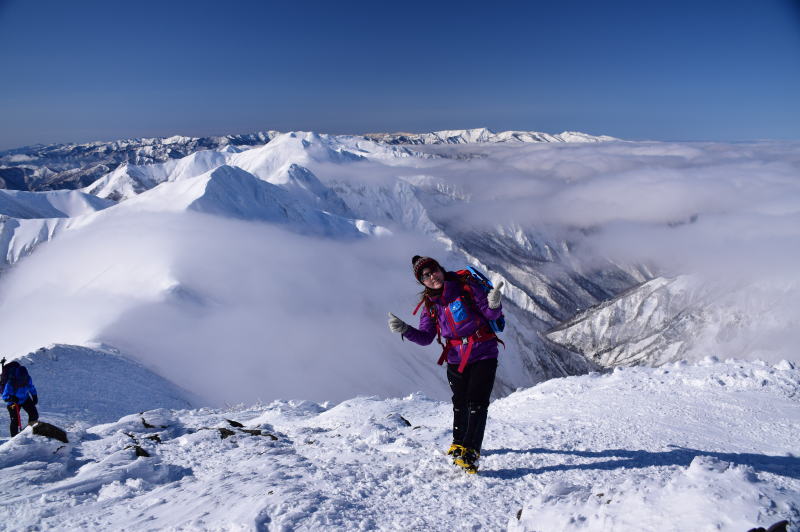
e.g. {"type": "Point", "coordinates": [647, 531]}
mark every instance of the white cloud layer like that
{"type": "Point", "coordinates": [727, 213]}
{"type": "Point", "coordinates": [681, 205]}
{"type": "Point", "coordinates": [240, 310]}
{"type": "Point", "coordinates": [232, 310]}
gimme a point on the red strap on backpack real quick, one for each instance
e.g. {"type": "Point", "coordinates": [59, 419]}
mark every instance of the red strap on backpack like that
{"type": "Point", "coordinates": [483, 333]}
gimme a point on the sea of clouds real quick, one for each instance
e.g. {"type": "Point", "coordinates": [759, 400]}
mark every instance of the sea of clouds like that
{"type": "Point", "coordinates": [239, 311]}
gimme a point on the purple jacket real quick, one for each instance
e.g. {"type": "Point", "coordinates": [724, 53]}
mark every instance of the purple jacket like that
{"type": "Point", "coordinates": [457, 318]}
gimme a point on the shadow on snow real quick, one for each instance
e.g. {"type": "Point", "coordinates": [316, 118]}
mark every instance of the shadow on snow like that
{"type": "Point", "coordinates": [788, 466]}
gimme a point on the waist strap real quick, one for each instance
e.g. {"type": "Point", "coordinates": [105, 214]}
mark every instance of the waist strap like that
{"type": "Point", "coordinates": [481, 335]}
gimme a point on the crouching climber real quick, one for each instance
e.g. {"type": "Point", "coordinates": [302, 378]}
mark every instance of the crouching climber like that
{"type": "Point", "coordinates": [18, 392]}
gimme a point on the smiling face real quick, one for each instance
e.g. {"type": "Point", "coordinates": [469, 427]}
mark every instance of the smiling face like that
{"type": "Point", "coordinates": [432, 277]}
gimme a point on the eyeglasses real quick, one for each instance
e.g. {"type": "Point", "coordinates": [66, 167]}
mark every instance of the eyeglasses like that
{"type": "Point", "coordinates": [427, 275]}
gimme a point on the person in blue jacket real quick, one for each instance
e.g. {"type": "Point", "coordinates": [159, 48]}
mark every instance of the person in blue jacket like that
{"type": "Point", "coordinates": [18, 392]}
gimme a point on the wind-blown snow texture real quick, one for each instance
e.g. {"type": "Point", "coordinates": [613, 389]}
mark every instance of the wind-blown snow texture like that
{"type": "Point", "coordinates": [705, 447]}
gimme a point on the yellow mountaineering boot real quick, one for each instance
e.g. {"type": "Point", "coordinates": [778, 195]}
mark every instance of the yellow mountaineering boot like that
{"type": "Point", "coordinates": [468, 460]}
{"type": "Point", "coordinates": [456, 451]}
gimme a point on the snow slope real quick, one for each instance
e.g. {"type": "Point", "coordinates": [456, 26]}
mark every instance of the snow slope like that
{"type": "Point", "coordinates": [53, 204]}
{"type": "Point", "coordinates": [28, 219]}
{"type": "Point", "coordinates": [686, 317]}
{"type": "Point", "coordinates": [705, 447]}
{"type": "Point", "coordinates": [232, 192]}
{"type": "Point", "coordinates": [96, 385]}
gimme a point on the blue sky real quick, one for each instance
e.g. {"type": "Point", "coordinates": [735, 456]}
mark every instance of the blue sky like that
{"type": "Point", "coordinates": [713, 70]}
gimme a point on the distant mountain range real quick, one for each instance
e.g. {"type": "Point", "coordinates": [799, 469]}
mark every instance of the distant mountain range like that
{"type": "Point", "coordinates": [72, 166]}
{"type": "Point", "coordinates": [320, 186]}
{"type": "Point", "coordinates": [468, 136]}
{"type": "Point", "coordinates": [566, 314]}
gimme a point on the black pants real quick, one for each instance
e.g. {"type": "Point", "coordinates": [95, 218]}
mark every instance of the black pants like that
{"type": "Point", "coordinates": [29, 408]}
{"type": "Point", "coordinates": [471, 391]}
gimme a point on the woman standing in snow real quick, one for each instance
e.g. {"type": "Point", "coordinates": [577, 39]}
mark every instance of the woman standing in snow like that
{"type": "Point", "coordinates": [459, 310]}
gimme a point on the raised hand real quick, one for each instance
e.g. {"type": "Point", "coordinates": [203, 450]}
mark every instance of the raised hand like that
{"type": "Point", "coordinates": [494, 295]}
{"type": "Point", "coordinates": [397, 325]}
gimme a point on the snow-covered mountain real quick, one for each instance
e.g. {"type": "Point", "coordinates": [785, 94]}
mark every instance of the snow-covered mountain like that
{"type": "Point", "coordinates": [335, 187]}
{"type": "Point", "coordinates": [651, 324]}
{"type": "Point", "coordinates": [682, 318]}
{"type": "Point", "coordinates": [705, 447]}
{"type": "Point", "coordinates": [71, 166]}
{"type": "Point", "coordinates": [28, 219]}
{"type": "Point", "coordinates": [232, 192]}
{"type": "Point", "coordinates": [261, 277]}
{"type": "Point", "coordinates": [325, 225]}
{"type": "Point", "coordinates": [468, 136]}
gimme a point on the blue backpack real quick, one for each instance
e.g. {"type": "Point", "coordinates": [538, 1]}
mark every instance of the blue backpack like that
{"type": "Point", "coordinates": [484, 283]}
{"type": "Point", "coordinates": [470, 277]}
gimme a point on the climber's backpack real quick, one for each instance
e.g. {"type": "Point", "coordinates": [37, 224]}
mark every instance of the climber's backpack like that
{"type": "Point", "coordinates": [16, 373]}
{"type": "Point", "coordinates": [479, 280]}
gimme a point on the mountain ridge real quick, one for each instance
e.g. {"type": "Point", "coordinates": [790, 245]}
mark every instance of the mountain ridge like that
{"type": "Point", "coordinates": [76, 165]}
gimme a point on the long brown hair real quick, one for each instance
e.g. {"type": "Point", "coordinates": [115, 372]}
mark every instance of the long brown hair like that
{"type": "Point", "coordinates": [427, 293]}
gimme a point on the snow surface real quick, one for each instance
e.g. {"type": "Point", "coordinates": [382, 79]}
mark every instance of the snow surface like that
{"type": "Point", "coordinates": [96, 385]}
{"type": "Point", "coordinates": [700, 447]}
{"type": "Point", "coordinates": [263, 277]}
{"type": "Point", "coordinates": [52, 204]}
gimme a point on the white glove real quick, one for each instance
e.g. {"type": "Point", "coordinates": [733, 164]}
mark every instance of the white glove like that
{"type": "Point", "coordinates": [494, 295]}
{"type": "Point", "coordinates": [396, 324]}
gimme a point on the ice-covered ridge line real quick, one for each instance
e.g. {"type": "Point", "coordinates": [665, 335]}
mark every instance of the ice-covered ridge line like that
{"type": "Point", "coordinates": [280, 162]}
{"type": "Point", "coordinates": [51, 204]}
{"type": "Point", "coordinates": [616, 443]}
{"type": "Point", "coordinates": [478, 135]}
{"type": "Point", "coordinates": [231, 192]}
